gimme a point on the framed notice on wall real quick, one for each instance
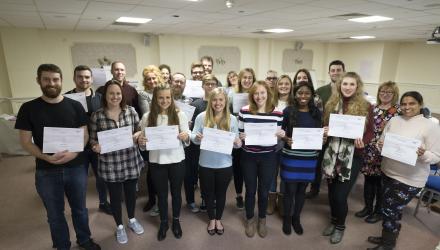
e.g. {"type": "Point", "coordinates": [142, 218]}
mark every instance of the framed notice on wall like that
{"type": "Point", "coordinates": [297, 59]}
{"type": "Point", "coordinates": [225, 58]}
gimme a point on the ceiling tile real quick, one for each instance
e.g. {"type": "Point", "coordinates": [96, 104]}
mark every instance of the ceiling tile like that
{"type": "Point", "coordinates": [61, 6]}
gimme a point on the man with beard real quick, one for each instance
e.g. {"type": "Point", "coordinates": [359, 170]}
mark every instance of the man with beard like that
{"type": "Point", "coordinates": [63, 172]}
{"type": "Point", "coordinates": [178, 84]}
{"type": "Point", "coordinates": [83, 79]}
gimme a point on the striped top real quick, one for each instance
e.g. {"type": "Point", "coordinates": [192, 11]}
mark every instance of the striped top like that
{"type": "Point", "coordinates": [245, 116]}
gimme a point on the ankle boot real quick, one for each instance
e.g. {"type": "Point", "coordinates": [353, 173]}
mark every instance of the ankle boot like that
{"type": "Point", "coordinates": [271, 203]}
{"type": "Point", "coordinates": [250, 227]}
{"type": "Point", "coordinates": [262, 229]}
{"type": "Point", "coordinates": [388, 241]}
{"type": "Point", "coordinates": [287, 228]}
{"type": "Point", "coordinates": [368, 199]}
{"type": "Point", "coordinates": [297, 227]}
{"type": "Point", "coordinates": [280, 204]}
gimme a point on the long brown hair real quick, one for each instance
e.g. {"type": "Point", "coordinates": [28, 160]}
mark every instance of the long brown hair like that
{"type": "Point", "coordinates": [253, 108]}
{"type": "Point", "coordinates": [173, 118]}
{"type": "Point", "coordinates": [122, 104]}
{"type": "Point", "coordinates": [357, 104]}
{"type": "Point", "coordinates": [225, 122]}
{"type": "Point", "coordinates": [240, 75]}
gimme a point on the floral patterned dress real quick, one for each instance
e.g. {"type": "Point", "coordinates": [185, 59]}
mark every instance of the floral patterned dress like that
{"type": "Point", "coordinates": [372, 157]}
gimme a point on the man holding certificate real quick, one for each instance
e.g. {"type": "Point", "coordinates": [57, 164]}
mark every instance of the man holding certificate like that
{"type": "Point", "coordinates": [343, 156]}
{"type": "Point", "coordinates": [64, 172]}
{"type": "Point", "coordinates": [259, 124]}
{"type": "Point", "coordinates": [403, 180]}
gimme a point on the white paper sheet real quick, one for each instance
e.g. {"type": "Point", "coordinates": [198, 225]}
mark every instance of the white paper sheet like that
{"type": "Point", "coordinates": [186, 108]}
{"type": "Point", "coordinates": [79, 97]}
{"type": "Point", "coordinates": [307, 138]}
{"type": "Point", "coordinates": [346, 126]}
{"type": "Point", "coordinates": [59, 139]}
{"type": "Point", "coordinates": [115, 139]}
{"type": "Point", "coordinates": [400, 148]}
{"type": "Point", "coordinates": [162, 137]}
{"type": "Point", "coordinates": [263, 134]}
{"type": "Point", "coordinates": [217, 140]}
{"type": "Point", "coordinates": [239, 100]}
{"type": "Point", "coordinates": [193, 89]}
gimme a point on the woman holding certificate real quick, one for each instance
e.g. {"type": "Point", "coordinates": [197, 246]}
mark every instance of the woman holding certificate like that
{"type": "Point", "coordinates": [259, 124]}
{"type": "Point", "coordinates": [343, 156]}
{"type": "Point", "coordinates": [166, 164]}
{"type": "Point", "coordinates": [119, 169]}
{"type": "Point", "coordinates": [298, 165]}
{"type": "Point", "coordinates": [386, 108]}
{"type": "Point", "coordinates": [402, 181]}
{"type": "Point", "coordinates": [215, 167]}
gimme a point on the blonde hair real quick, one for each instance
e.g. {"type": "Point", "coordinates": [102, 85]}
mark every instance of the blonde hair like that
{"type": "Point", "coordinates": [225, 122]}
{"type": "Point", "coordinates": [253, 108]}
{"type": "Point", "coordinates": [276, 92]}
{"type": "Point", "coordinates": [390, 85]}
{"type": "Point", "coordinates": [357, 104]}
{"type": "Point", "coordinates": [155, 70]}
{"type": "Point", "coordinates": [173, 118]}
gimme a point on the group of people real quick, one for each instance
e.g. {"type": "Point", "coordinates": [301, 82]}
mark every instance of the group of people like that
{"type": "Point", "coordinates": [282, 101]}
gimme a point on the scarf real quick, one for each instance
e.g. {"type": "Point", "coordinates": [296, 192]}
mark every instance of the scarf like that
{"type": "Point", "coordinates": [338, 156]}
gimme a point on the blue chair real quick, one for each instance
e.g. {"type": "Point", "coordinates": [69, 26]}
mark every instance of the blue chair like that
{"type": "Point", "coordinates": [432, 188]}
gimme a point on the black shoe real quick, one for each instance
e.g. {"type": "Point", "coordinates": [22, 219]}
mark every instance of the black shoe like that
{"type": "Point", "coordinates": [373, 218]}
{"type": "Point", "coordinates": [297, 227]}
{"type": "Point", "coordinates": [162, 234]}
{"type": "Point", "coordinates": [312, 194]}
{"type": "Point", "coordinates": [375, 239]}
{"type": "Point", "coordinates": [203, 207]}
{"type": "Point", "coordinates": [105, 208]}
{"type": "Point", "coordinates": [364, 212]}
{"type": "Point", "coordinates": [287, 228]}
{"type": "Point", "coordinates": [240, 203]}
{"type": "Point", "coordinates": [90, 245]}
{"type": "Point", "coordinates": [150, 204]}
{"type": "Point", "coordinates": [177, 230]}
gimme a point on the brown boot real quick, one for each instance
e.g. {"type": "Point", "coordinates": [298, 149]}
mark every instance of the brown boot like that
{"type": "Point", "coordinates": [250, 227]}
{"type": "Point", "coordinates": [280, 204]}
{"type": "Point", "coordinates": [262, 229]}
{"type": "Point", "coordinates": [271, 203]}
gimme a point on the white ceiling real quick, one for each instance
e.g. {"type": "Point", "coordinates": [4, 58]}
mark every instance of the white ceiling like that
{"type": "Point", "coordinates": [311, 19]}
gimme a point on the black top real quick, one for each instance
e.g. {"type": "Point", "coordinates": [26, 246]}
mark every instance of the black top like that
{"type": "Point", "coordinates": [200, 105]}
{"type": "Point", "coordinates": [36, 114]}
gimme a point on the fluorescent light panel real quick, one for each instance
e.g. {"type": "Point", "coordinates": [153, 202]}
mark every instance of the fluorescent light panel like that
{"type": "Point", "coordinates": [370, 19]}
{"type": "Point", "coordinates": [362, 37]}
{"type": "Point", "coordinates": [278, 30]}
{"type": "Point", "coordinates": [124, 19]}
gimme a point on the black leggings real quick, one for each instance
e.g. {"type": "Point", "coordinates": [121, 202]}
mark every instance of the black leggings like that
{"type": "Point", "coordinates": [161, 174]}
{"type": "Point", "coordinates": [214, 183]}
{"type": "Point", "coordinates": [297, 191]}
{"type": "Point", "coordinates": [373, 191]}
{"type": "Point", "coordinates": [150, 187]}
{"type": "Point", "coordinates": [115, 192]}
{"type": "Point", "coordinates": [338, 194]}
{"type": "Point", "coordinates": [238, 170]}
{"type": "Point", "coordinates": [192, 153]}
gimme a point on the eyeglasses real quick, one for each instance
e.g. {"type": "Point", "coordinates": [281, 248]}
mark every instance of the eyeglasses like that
{"type": "Point", "coordinates": [271, 78]}
{"type": "Point", "coordinates": [197, 72]}
{"type": "Point", "coordinates": [210, 84]}
{"type": "Point", "coordinates": [386, 92]}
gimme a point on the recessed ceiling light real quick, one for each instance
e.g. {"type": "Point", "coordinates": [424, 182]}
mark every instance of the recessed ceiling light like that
{"type": "Point", "coordinates": [362, 37]}
{"type": "Point", "coordinates": [124, 19]}
{"type": "Point", "coordinates": [370, 19]}
{"type": "Point", "coordinates": [193, 0]}
{"type": "Point", "coordinates": [278, 30]}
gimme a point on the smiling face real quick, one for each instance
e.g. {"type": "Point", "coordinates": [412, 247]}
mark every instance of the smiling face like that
{"type": "Point", "coordinates": [284, 86]}
{"type": "Point", "coordinates": [302, 77]}
{"type": "Point", "coordinates": [260, 97]}
{"type": "Point", "coordinates": [165, 74]}
{"type": "Point", "coordinates": [150, 81]}
{"type": "Point", "coordinates": [386, 95]}
{"type": "Point", "coordinates": [303, 96]}
{"type": "Point", "coordinates": [335, 72]}
{"type": "Point", "coordinates": [164, 99]}
{"type": "Point", "coordinates": [178, 84]}
{"type": "Point", "coordinates": [83, 80]}
{"type": "Point", "coordinates": [218, 103]}
{"type": "Point", "coordinates": [348, 87]}
{"type": "Point", "coordinates": [118, 71]}
{"type": "Point", "coordinates": [410, 106]}
{"type": "Point", "coordinates": [247, 80]}
{"type": "Point", "coordinates": [50, 84]}
{"type": "Point", "coordinates": [113, 95]}
{"type": "Point", "coordinates": [208, 86]}
{"type": "Point", "coordinates": [207, 66]}
{"type": "Point", "coordinates": [197, 73]}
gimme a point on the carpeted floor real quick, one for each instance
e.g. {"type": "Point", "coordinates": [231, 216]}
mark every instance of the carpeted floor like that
{"type": "Point", "coordinates": [23, 222]}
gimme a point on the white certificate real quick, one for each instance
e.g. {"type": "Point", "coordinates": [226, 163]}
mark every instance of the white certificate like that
{"type": "Point", "coordinates": [115, 139]}
{"type": "Point", "coordinates": [79, 97]}
{"type": "Point", "coordinates": [263, 134]}
{"type": "Point", "coordinates": [193, 89]}
{"type": "Point", "coordinates": [60, 139]}
{"type": "Point", "coordinates": [239, 100]}
{"type": "Point", "coordinates": [186, 108]}
{"type": "Point", "coordinates": [162, 137]}
{"type": "Point", "coordinates": [217, 140]}
{"type": "Point", "coordinates": [307, 138]}
{"type": "Point", "coordinates": [401, 148]}
{"type": "Point", "coordinates": [346, 126]}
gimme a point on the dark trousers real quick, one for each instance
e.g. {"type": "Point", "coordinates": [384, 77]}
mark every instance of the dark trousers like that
{"type": "Point", "coordinates": [396, 195]}
{"type": "Point", "coordinates": [316, 184]}
{"type": "Point", "coordinates": [51, 186]}
{"type": "Point", "coordinates": [150, 187]}
{"type": "Point", "coordinates": [92, 160]}
{"type": "Point", "coordinates": [373, 191]}
{"type": "Point", "coordinates": [338, 195]}
{"type": "Point", "coordinates": [192, 153]}
{"type": "Point", "coordinates": [294, 192]}
{"type": "Point", "coordinates": [115, 191]}
{"type": "Point", "coordinates": [258, 170]}
{"type": "Point", "coordinates": [238, 171]}
{"type": "Point", "coordinates": [161, 174]}
{"type": "Point", "coordinates": [214, 183]}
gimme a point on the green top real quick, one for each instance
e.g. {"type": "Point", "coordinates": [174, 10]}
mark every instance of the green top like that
{"type": "Point", "coordinates": [324, 92]}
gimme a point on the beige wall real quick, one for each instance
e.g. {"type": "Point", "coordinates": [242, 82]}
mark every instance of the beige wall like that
{"type": "Point", "coordinates": [5, 89]}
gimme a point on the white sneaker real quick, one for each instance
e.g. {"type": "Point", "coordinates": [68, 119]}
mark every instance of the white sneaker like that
{"type": "Point", "coordinates": [121, 235]}
{"type": "Point", "coordinates": [134, 225]}
{"type": "Point", "coordinates": [154, 211]}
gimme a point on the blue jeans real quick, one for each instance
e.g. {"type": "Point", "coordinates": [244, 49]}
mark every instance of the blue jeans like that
{"type": "Point", "coordinates": [274, 184]}
{"type": "Point", "coordinates": [92, 159]}
{"type": "Point", "coordinates": [51, 186]}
